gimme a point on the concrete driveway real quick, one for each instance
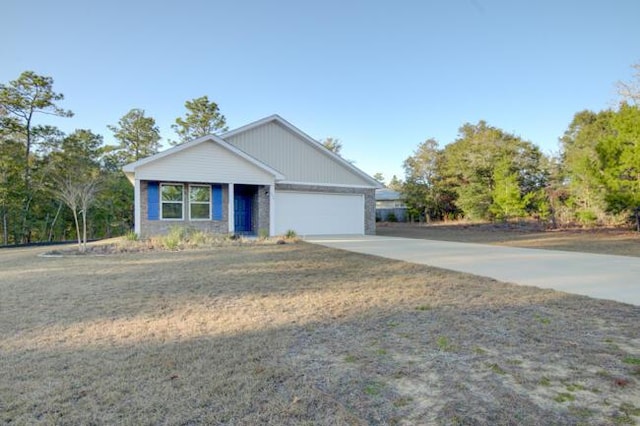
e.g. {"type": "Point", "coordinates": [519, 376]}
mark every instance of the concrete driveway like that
{"type": "Point", "coordinates": [595, 275]}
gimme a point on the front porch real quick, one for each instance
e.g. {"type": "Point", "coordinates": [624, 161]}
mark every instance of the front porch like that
{"type": "Point", "coordinates": [220, 208]}
{"type": "Point", "coordinates": [249, 209]}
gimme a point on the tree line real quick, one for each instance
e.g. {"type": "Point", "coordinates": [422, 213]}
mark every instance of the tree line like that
{"type": "Point", "coordinates": [490, 174]}
{"type": "Point", "coordinates": [52, 182]}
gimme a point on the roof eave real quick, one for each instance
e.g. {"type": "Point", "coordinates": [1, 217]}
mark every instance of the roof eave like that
{"type": "Point", "coordinates": [131, 167]}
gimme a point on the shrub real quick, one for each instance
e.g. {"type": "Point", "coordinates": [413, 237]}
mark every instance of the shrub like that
{"type": "Point", "coordinates": [263, 234]}
{"type": "Point", "coordinates": [198, 238]}
{"type": "Point", "coordinates": [170, 242]}
{"type": "Point", "coordinates": [587, 217]}
{"type": "Point", "coordinates": [291, 234]}
{"type": "Point", "coordinates": [177, 236]}
{"type": "Point", "coordinates": [391, 217]}
{"type": "Point", "coordinates": [131, 236]}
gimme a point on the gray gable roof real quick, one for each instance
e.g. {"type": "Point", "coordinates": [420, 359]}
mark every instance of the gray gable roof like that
{"type": "Point", "coordinates": [386, 194]}
{"type": "Point", "coordinates": [317, 165]}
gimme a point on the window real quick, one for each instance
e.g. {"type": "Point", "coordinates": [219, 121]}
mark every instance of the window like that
{"type": "Point", "coordinates": [172, 201]}
{"type": "Point", "coordinates": [199, 202]}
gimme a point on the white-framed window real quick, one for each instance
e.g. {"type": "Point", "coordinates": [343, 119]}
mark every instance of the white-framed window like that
{"type": "Point", "coordinates": [172, 201]}
{"type": "Point", "coordinates": [200, 202]}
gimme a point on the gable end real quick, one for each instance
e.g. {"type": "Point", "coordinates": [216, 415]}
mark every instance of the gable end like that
{"type": "Point", "coordinates": [297, 156]}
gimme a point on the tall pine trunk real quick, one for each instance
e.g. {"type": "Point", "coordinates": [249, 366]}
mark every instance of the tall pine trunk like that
{"type": "Point", "coordinates": [25, 231]}
{"type": "Point", "coordinates": [26, 226]}
{"type": "Point", "coordinates": [53, 223]}
{"type": "Point", "coordinates": [5, 231]}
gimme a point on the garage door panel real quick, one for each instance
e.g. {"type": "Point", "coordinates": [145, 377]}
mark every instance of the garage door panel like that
{"type": "Point", "coordinates": [319, 213]}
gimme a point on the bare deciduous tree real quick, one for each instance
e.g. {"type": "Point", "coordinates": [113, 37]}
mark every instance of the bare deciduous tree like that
{"type": "Point", "coordinates": [78, 196]}
{"type": "Point", "coordinates": [87, 195]}
{"type": "Point", "coordinates": [631, 91]}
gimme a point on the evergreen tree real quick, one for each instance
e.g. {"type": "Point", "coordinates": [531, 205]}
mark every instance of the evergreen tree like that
{"type": "Point", "coordinates": [395, 183]}
{"type": "Point", "coordinates": [468, 167]}
{"type": "Point", "coordinates": [138, 134]}
{"type": "Point", "coordinates": [507, 201]}
{"type": "Point", "coordinates": [203, 118]}
{"type": "Point", "coordinates": [21, 101]}
{"type": "Point", "coordinates": [619, 156]}
{"type": "Point", "coordinates": [581, 165]}
{"type": "Point", "coordinates": [332, 144]}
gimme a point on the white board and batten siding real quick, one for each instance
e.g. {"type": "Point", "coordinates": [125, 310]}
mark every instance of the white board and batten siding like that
{"type": "Point", "coordinates": [297, 159]}
{"type": "Point", "coordinates": [205, 162]}
{"type": "Point", "coordinates": [319, 213]}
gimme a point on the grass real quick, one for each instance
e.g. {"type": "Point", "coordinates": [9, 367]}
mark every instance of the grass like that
{"type": "Point", "coordinates": [564, 397]}
{"type": "Point", "coordinates": [603, 241]}
{"type": "Point", "coordinates": [632, 360]}
{"type": "Point", "coordinates": [479, 351]}
{"type": "Point", "coordinates": [496, 368]}
{"type": "Point", "coordinates": [299, 334]}
{"type": "Point", "coordinates": [630, 409]}
{"type": "Point", "coordinates": [423, 308]}
{"type": "Point", "coordinates": [444, 344]}
{"type": "Point", "coordinates": [574, 387]}
{"type": "Point", "coordinates": [542, 320]}
{"type": "Point", "coordinates": [350, 358]}
{"type": "Point", "coordinates": [374, 389]}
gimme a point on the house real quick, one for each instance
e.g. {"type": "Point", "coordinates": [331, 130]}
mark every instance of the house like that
{"type": "Point", "coordinates": [267, 176]}
{"type": "Point", "coordinates": [389, 203]}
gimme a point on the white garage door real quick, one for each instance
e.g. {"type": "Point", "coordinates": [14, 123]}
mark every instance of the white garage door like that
{"type": "Point", "coordinates": [319, 214]}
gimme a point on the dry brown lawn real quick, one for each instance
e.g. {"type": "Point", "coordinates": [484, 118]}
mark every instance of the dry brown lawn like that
{"type": "Point", "coordinates": [603, 241]}
{"type": "Point", "coordinates": [301, 334]}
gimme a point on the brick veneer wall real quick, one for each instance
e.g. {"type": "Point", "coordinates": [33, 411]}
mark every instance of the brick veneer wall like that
{"type": "Point", "coordinates": [261, 217]}
{"type": "Point", "coordinates": [369, 199]}
{"type": "Point", "coordinates": [159, 227]}
{"type": "Point", "coordinates": [260, 212]}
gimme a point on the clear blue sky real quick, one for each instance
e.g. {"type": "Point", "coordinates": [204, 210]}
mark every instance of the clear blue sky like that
{"type": "Point", "coordinates": [381, 76]}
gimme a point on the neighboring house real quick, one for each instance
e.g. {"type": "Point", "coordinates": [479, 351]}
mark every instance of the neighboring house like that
{"type": "Point", "coordinates": [389, 202]}
{"type": "Point", "coordinates": [267, 176]}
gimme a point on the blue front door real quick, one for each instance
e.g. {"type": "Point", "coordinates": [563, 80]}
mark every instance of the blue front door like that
{"type": "Point", "coordinates": [242, 217]}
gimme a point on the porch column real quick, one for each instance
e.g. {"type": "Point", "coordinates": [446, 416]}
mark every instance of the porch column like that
{"type": "Point", "coordinates": [231, 216]}
{"type": "Point", "coordinates": [136, 207]}
{"type": "Point", "coordinates": [272, 210]}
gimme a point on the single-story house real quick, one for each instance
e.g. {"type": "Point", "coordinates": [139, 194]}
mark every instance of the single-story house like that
{"type": "Point", "coordinates": [267, 176]}
{"type": "Point", "coordinates": [388, 203]}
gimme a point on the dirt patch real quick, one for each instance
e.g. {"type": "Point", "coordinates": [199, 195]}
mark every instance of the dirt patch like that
{"type": "Point", "coordinates": [295, 334]}
{"type": "Point", "coordinates": [527, 235]}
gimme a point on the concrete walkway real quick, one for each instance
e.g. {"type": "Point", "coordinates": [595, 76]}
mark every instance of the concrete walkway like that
{"type": "Point", "coordinates": [595, 275]}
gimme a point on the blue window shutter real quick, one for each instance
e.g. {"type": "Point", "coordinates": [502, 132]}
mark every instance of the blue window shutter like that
{"type": "Point", "coordinates": [153, 201]}
{"type": "Point", "coordinates": [216, 202]}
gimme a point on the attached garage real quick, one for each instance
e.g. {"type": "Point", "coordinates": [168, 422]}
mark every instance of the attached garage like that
{"type": "Point", "coordinates": [314, 213]}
